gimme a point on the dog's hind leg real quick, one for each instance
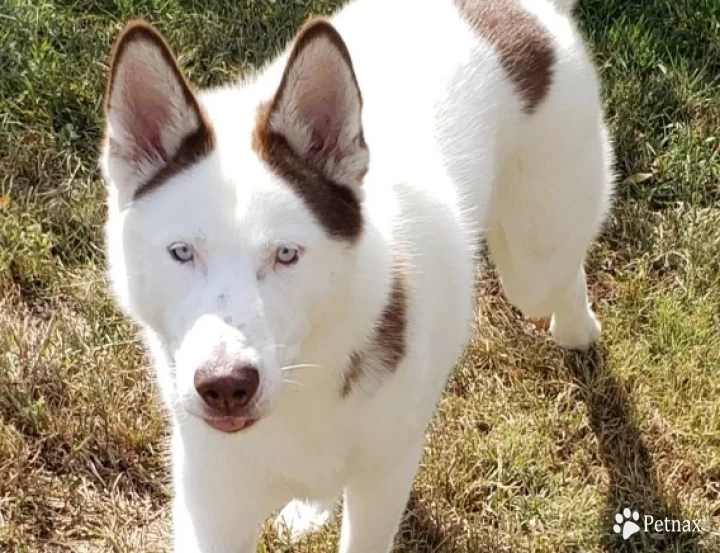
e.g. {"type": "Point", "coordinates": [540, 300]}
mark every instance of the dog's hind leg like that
{"type": "Point", "coordinates": [301, 518]}
{"type": "Point", "coordinates": [549, 203]}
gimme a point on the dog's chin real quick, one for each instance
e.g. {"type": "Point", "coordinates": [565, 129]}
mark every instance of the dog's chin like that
{"type": "Point", "coordinates": [226, 424]}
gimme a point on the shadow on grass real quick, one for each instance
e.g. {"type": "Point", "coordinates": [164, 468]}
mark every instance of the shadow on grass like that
{"type": "Point", "coordinates": [420, 532]}
{"type": "Point", "coordinates": [622, 450]}
{"type": "Point", "coordinates": [685, 29]}
{"type": "Point", "coordinates": [660, 62]}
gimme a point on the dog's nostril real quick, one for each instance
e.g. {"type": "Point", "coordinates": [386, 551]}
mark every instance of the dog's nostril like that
{"type": "Point", "coordinates": [227, 392]}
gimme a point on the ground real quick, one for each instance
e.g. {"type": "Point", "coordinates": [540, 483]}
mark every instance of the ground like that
{"type": "Point", "coordinates": [532, 450]}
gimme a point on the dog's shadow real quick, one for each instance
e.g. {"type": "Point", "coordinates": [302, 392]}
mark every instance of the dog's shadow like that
{"type": "Point", "coordinates": [632, 477]}
{"type": "Point", "coordinates": [420, 530]}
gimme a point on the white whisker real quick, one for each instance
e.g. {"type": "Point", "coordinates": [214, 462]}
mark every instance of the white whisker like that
{"type": "Point", "coordinates": [299, 385]}
{"type": "Point", "coordinates": [302, 366]}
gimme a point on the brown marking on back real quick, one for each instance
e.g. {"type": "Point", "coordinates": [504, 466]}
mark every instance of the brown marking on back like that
{"type": "Point", "coordinates": [195, 146]}
{"type": "Point", "coordinates": [524, 46]}
{"type": "Point", "coordinates": [336, 207]}
{"type": "Point", "coordinates": [388, 344]}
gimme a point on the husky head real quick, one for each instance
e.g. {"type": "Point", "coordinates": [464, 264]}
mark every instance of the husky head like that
{"type": "Point", "coordinates": [232, 230]}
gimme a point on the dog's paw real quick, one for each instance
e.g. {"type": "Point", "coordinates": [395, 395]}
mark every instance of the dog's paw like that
{"type": "Point", "coordinates": [298, 519]}
{"type": "Point", "coordinates": [574, 334]}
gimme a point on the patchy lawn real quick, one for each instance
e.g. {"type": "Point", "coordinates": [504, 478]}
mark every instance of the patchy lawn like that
{"type": "Point", "coordinates": [532, 450]}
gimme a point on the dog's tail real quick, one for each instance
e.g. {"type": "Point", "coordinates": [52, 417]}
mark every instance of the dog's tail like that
{"type": "Point", "coordinates": [565, 6]}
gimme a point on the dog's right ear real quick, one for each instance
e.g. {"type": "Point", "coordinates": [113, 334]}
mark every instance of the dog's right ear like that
{"type": "Point", "coordinates": [151, 112]}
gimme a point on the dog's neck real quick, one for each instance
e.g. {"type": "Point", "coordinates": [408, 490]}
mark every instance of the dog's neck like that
{"type": "Point", "coordinates": [348, 326]}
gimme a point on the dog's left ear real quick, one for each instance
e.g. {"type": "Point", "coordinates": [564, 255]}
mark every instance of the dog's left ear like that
{"type": "Point", "coordinates": [318, 105]}
{"type": "Point", "coordinates": [154, 121]}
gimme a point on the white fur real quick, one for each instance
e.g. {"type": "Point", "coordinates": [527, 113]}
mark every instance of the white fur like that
{"type": "Point", "coordinates": [565, 5]}
{"type": "Point", "coordinates": [451, 154]}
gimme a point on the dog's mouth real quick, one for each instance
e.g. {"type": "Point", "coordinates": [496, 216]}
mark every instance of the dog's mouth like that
{"type": "Point", "coordinates": [230, 425]}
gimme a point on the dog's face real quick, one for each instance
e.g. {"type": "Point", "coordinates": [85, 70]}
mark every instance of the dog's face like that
{"type": "Point", "coordinates": [230, 233]}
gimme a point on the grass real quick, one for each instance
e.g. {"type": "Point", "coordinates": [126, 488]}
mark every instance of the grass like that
{"type": "Point", "coordinates": [532, 450]}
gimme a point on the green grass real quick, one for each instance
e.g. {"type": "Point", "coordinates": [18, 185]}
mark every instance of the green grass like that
{"type": "Point", "coordinates": [532, 450]}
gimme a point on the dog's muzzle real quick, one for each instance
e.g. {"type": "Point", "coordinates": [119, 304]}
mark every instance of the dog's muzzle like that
{"type": "Point", "coordinates": [228, 393]}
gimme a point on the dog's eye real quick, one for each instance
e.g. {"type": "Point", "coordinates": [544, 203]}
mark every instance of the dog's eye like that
{"type": "Point", "coordinates": [287, 256]}
{"type": "Point", "coordinates": [181, 252]}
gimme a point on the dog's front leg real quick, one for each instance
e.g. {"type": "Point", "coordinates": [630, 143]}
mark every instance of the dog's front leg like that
{"type": "Point", "coordinates": [374, 503]}
{"type": "Point", "coordinates": [205, 529]}
{"type": "Point", "coordinates": [218, 505]}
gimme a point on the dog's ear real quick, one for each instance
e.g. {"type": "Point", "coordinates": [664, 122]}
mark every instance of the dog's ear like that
{"type": "Point", "coordinates": [152, 114]}
{"type": "Point", "coordinates": [318, 105]}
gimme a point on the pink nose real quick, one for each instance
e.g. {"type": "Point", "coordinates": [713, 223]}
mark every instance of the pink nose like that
{"type": "Point", "coordinates": [227, 393]}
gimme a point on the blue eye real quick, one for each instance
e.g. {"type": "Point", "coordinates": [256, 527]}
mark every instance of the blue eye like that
{"type": "Point", "coordinates": [287, 256]}
{"type": "Point", "coordinates": [181, 252]}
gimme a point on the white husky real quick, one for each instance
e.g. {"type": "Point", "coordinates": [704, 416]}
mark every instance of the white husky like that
{"type": "Point", "coordinates": [299, 248]}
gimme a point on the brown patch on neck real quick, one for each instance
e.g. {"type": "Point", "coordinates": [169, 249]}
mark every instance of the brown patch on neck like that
{"type": "Point", "coordinates": [195, 146]}
{"type": "Point", "coordinates": [524, 46]}
{"type": "Point", "coordinates": [388, 344]}
{"type": "Point", "coordinates": [336, 207]}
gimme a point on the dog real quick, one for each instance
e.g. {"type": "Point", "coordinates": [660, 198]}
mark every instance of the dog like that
{"type": "Point", "coordinates": [300, 248]}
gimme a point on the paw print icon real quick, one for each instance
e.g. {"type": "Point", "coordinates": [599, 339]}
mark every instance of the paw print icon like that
{"type": "Point", "coordinates": [627, 523]}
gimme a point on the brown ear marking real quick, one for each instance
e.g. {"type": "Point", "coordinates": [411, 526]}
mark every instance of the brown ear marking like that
{"type": "Point", "coordinates": [194, 146]}
{"type": "Point", "coordinates": [388, 344]}
{"type": "Point", "coordinates": [336, 206]}
{"type": "Point", "coordinates": [524, 46]}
